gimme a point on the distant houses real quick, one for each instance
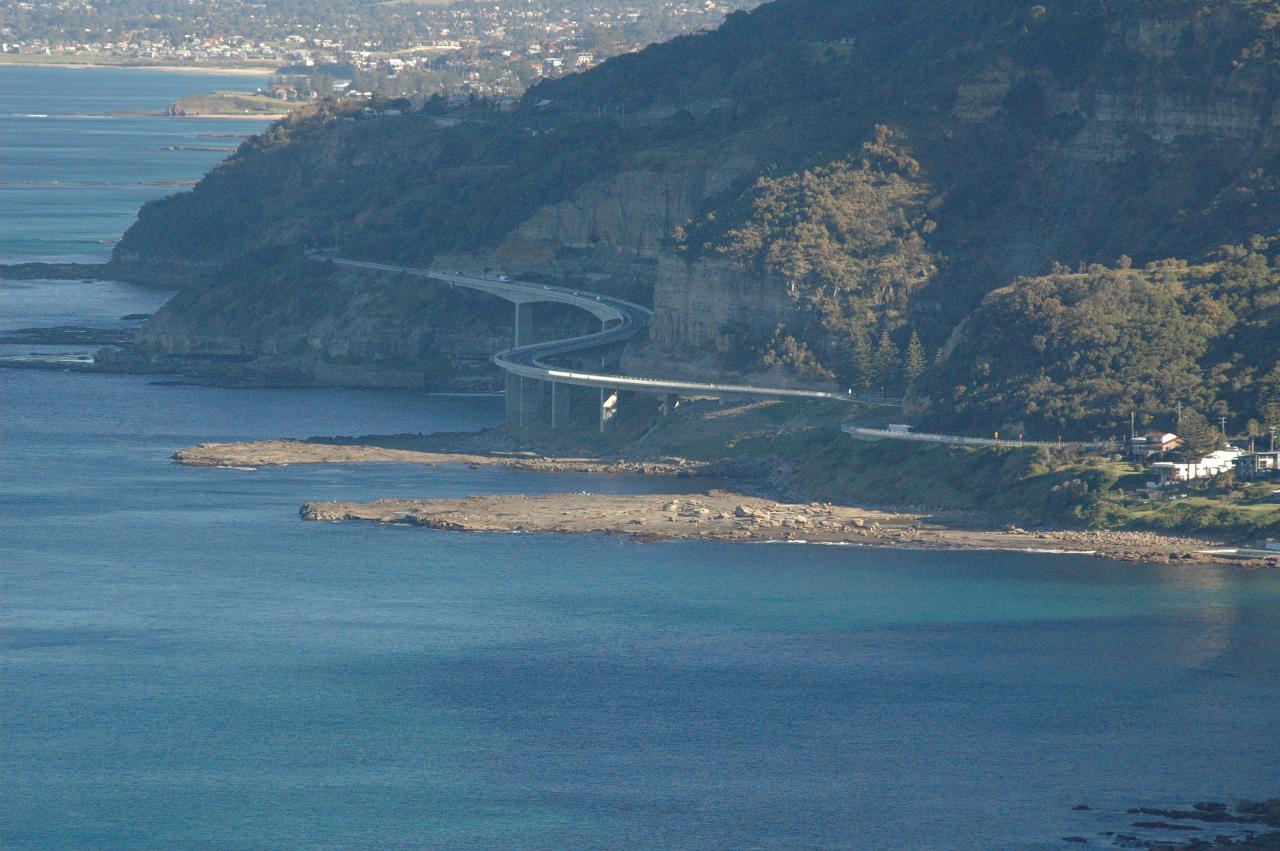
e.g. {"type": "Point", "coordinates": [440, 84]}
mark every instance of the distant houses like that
{"type": "Point", "coordinates": [1213, 464]}
{"type": "Point", "coordinates": [1248, 465]}
{"type": "Point", "coordinates": [1258, 466]}
{"type": "Point", "coordinates": [1152, 443]}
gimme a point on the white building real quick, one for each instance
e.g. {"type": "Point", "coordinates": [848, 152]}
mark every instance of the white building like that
{"type": "Point", "coordinates": [1171, 472]}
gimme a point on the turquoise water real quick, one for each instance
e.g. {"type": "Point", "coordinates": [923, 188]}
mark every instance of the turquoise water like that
{"type": "Point", "coordinates": [185, 663]}
{"type": "Point", "coordinates": [73, 175]}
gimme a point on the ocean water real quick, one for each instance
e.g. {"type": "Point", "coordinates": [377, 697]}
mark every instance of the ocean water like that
{"type": "Point", "coordinates": [75, 165]}
{"type": "Point", "coordinates": [83, 304]}
{"type": "Point", "coordinates": [185, 663]}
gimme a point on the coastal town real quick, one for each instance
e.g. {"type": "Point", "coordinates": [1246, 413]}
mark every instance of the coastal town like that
{"type": "Point", "coordinates": [396, 50]}
{"type": "Point", "coordinates": [681, 424]}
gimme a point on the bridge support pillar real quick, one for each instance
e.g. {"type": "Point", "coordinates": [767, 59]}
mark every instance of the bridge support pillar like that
{"type": "Point", "coordinates": [669, 403]}
{"type": "Point", "coordinates": [561, 394]}
{"type": "Point", "coordinates": [608, 406]}
{"type": "Point", "coordinates": [531, 390]}
{"type": "Point", "coordinates": [513, 399]}
{"type": "Point", "coordinates": [524, 400]}
{"type": "Point", "coordinates": [524, 323]}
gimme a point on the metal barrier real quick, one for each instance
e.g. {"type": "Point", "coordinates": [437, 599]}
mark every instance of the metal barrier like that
{"type": "Point", "coordinates": [960, 440]}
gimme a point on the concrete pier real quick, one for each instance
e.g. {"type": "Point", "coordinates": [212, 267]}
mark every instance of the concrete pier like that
{"type": "Point", "coordinates": [524, 395]}
{"type": "Point", "coordinates": [561, 398]}
{"type": "Point", "coordinates": [524, 323]}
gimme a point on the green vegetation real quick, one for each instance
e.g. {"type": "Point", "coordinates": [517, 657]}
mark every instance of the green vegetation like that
{"type": "Point", "coordinates": [382, 187]}
{"type": "Point", "coordinates": [228, 103]}
{"type": "Point", "coordinates": [1080, 351]}
{"type": "Point", "coordinates": [298, 317]}
{"type": "Point", "coordinates": [941, 190]}
{"type": "Point", "coordinates": [1031, 484]}
{"type": "Point", "coordinates": [847, 242]}
{"type": "Point", "coordinates": [799, 446]}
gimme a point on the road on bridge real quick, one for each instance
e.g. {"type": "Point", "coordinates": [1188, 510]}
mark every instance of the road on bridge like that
{"type": "Point", "coordinates": [622, 320]}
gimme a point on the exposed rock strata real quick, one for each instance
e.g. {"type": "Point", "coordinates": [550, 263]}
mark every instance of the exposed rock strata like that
{"type": "Point", "coordinates": [725, 516]}
{"type": "Point", "coordinates": [1086, 167]}
{"type": "Point", "coordinates": [347, 331]}
{"type": "Point", "coordinates": [279, 453]}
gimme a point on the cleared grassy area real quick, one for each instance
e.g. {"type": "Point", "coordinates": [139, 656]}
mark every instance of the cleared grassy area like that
{"type": "Point", "coordinates": [802, 444]}
{"type": "Point", "coordinates": [230, 103]}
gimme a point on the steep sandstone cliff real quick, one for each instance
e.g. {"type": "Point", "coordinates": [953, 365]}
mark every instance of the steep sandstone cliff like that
{"type": "Point", "coordinates": [1058, 132]}
{"type": "Point", "coordinates": [336, 329]}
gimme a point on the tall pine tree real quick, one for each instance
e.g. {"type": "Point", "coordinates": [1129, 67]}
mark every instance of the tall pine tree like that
{"type": "Point", "coordinates": [1271, 420]}
{"type": "Point", "coordinates": [863, 361]}
{"type": "Point", "coordinates": [916, 362]}
{"type": "Point", "coordinates": [1199, 438]}
{"type": "Point", "coordinates": [888, 364]}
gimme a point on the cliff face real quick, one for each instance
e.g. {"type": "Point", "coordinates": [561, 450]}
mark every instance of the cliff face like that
{"type": "Point", "coordinates": [336, 329]}
{"type": "Point", "coordinates": [1113, 124]}
{"type": "Point", "coordinates": [617, 228]}
{"type": "Point", "coordinates": [704, 313]}
{"type": "Point", "coordinates": [1070, 131]}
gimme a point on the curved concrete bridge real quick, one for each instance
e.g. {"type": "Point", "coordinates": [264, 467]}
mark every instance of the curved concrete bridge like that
{"type": "Point", "coordinates": [527, 369]}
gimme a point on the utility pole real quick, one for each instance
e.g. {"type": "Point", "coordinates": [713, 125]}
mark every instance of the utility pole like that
{"type": "Point", "coordinates": [1179, 415]}
{"type": "Point", "coordinates": [1222, 425]}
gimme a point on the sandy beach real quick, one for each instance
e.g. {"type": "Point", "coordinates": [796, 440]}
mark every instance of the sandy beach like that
{"type": "Point", "coordinates": [248, 116]}
{"type": "Point", "coordinates": [220, 70]}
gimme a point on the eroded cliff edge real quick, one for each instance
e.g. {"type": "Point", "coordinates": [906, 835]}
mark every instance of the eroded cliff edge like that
{"type": "Point", "coordinates": [1053, 134]}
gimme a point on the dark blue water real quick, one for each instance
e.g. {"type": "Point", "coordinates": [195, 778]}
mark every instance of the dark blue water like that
{"type": "Point", "coordinates": [73, 175]}
{"type": "Point", "coordinates": [86, 304]}
{"type": "Point", "coordinates": [185, 663]}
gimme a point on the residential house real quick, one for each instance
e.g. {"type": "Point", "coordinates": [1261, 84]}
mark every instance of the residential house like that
{"type": "Point", "coordinates": [1256, 466]}
{"type": "Point", "coordinates": [1172, 472]}
{"type": "Point", "coordinates": [283, 91]}
{"type": "Point", "coordinates": [1152, 443]}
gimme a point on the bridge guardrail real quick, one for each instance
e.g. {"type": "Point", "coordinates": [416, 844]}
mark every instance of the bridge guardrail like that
{"type": "Point", "coordinates": [961, 440]}
{"type": "Point", "coordinates": [527, 361]}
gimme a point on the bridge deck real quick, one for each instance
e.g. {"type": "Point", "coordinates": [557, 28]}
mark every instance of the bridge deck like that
{"type": "Point", "coordinates": [529, 361]}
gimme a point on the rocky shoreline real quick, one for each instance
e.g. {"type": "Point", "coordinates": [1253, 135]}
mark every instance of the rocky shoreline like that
{"type": "Point", "coordinates": [278, 453]}
{"type": "Point", "coordinates": [1242, 826]}
{"type": "Point", "coordinates": [718, 514]}
{"type": "Point", "coordinates": [721, 515]}
{"type": "Point", "coordinates": [38, 271]}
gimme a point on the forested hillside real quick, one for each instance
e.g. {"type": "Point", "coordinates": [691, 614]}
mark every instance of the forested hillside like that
{"type": "Point", "coordinates": [1043, 215]}
{"type": "Point", "coordinates": [1084, 349]}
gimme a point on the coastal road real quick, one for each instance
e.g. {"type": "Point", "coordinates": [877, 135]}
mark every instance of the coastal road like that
{"type": "Point", "coordinates": [622, 321]}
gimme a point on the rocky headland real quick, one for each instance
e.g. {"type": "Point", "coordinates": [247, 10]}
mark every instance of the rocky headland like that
{"type": "Point", "coordinates": [278, 453]}
{"type": "Point", "coordinates": [738, 505]}
{"type": "Point", "coordinates": [721, 515]}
